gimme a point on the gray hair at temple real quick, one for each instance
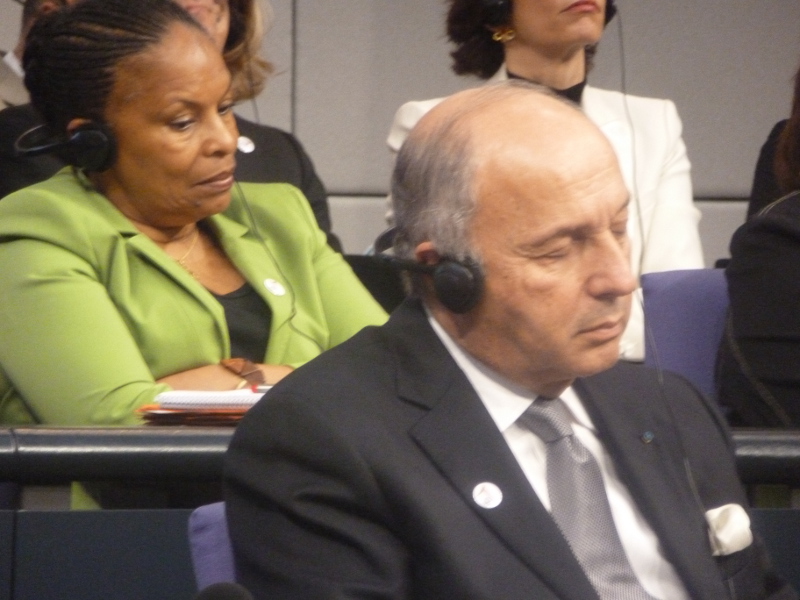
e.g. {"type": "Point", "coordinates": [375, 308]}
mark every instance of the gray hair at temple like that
{"type": "Point", "coordinates": [433, 184]}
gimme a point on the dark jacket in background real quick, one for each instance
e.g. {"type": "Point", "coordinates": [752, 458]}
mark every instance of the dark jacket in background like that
{"type": "Point", "coordinates": [762, 385]}
{"type": "Point", "coordinates": [765, 186]}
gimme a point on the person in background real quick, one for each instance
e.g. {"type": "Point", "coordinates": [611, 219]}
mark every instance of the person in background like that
{"type": "Point", "coordinates": [264, 154]}
{"type": "Point", "coordinates": [144, 266]}
{"type": "Point", "coordinates": [16, 114]}
{"type": "Point", "coordinates": [758, 365]}
{"type": "Point", "coordinates": [486, 442]}
{"type": "Point", "coordinates": [778, 167]}
{"type": "Point", "coordinates": [552, 42]}
{"type": "Point", "coordinates": [12, 88]}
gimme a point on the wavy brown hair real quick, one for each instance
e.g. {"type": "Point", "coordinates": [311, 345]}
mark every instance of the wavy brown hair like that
{"type": "Point", "coordinates": [249, 70]}
{"type": "Point", "coordinates": [787, 153]}
{"type": "Point", "coordinates": [476, 52]}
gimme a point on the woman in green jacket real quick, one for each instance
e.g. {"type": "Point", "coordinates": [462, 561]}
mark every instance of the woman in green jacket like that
{"type": "Point", "coordinates": [144, 264]}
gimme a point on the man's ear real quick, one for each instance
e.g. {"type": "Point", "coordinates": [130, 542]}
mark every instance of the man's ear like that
{"type": "Point", "coordinates": [426, 254]}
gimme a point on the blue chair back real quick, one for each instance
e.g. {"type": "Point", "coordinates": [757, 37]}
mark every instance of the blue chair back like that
{"type": "Point", "coordinates": [684, 315]}
{"type": "Point", "coordinates": [210, 545]}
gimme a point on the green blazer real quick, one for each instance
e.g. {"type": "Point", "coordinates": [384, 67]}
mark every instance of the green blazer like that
{"type": "Point", "coordinates": [92, 311]}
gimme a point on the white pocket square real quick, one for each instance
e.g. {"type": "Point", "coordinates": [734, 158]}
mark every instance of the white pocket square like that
{"type": "Point", "coordinates": [728, 529]}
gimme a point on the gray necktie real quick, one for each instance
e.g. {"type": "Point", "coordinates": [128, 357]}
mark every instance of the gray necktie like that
{"type": "Point", "coordinates": [579, 503]}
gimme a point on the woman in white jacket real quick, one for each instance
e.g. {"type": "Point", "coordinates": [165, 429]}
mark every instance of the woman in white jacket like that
{"type": "Point", "coordinates": [551, 42]}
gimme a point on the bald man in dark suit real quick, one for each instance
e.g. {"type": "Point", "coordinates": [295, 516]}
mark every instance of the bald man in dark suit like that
{"type": "Point", "coordinates": [411, 462]}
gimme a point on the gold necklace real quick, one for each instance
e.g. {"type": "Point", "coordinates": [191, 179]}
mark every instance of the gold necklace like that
{"type": "Point", "coordinates": [182, 260]}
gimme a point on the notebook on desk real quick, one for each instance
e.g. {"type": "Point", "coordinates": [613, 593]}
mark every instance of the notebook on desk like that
{"type": "Point", "coordinates": [205, 408]}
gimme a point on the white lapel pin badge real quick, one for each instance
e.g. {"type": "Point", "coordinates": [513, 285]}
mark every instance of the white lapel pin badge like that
{"type": "Point", "coordinates": [487, 495]}
{"type": "Point", "coordinates": [274, 287]}
{"type": "Point", "coordinates": [245, 144]}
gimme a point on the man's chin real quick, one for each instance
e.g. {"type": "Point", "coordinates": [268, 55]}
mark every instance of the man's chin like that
{"type": "Point", "coordinates": [600, 359]}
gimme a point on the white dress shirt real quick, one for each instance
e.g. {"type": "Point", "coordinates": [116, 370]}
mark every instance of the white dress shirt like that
{"type": "Point", "coordinates": [506, 401]}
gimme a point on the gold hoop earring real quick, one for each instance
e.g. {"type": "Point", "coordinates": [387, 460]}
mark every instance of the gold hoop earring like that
{"type": "Point", "coordinates": [506, 34]}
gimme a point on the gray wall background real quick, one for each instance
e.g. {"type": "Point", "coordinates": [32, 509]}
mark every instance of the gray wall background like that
{"type": "Point", "coordinates": [344, 66]}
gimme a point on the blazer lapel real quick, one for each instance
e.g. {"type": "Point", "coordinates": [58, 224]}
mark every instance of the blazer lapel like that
{"type": "Point", "coordinates": [459, 436]}
{"type": "Point", "coordinates": [254, 257]}
{"type": "Point", "coordinates": [653, 473]}
{"type": "Point", "coordinates": [140, 245]}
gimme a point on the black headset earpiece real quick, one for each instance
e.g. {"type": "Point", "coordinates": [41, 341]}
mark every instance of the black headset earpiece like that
{"type": "Point", "coordinates": [497, 13]}
{"type": "Point", "coordinates": [458, 284]}
{"type": "Point", "coordinates": [90, 146]}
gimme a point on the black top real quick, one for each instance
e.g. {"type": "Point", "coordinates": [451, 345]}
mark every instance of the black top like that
{"type": "Point", "coordinates": [574, 93]}
{"type": "Point", "coordinates": [249, 319]}
{"type": "Point", "coordinates": [765, 185]}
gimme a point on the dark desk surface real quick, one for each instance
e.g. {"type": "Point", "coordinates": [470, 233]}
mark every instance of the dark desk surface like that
{"type": "Point", "coordinates": [53, 455]}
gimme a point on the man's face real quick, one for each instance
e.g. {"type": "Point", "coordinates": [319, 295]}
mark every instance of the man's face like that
{"type": "Point", "coordinates": [551, 229]}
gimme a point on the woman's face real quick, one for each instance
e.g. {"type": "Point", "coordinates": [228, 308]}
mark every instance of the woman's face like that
{"type": "Point", "coordinates": [554, 26]}
{"type": "Point", "coordinates": [213, 15]}
{"type": "Point", "coordinates": [171, 112]}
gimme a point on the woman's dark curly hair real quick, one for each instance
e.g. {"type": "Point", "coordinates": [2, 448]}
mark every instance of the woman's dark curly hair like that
{"type": "Point", "coordinates": [476, 52]}
{"type": "Point", "coordinates": [71, 55]}
{"type": "Point", "coordinates": [787, 153]}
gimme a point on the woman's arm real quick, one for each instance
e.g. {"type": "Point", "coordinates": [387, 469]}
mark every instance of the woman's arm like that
{"type": "Point", "coordinates": [63, 344]}
{"type": "Point", "coordinates": [70, 353]}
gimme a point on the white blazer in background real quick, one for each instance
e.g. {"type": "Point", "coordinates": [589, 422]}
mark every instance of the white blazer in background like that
{"type": "Point", "coordinates": [12, 87]}
{"type": "Point", "coordinates": [663, 220]}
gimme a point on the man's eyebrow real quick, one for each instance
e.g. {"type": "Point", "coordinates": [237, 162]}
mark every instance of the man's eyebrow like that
{"type": "Point", "coordinates": [573, 231]}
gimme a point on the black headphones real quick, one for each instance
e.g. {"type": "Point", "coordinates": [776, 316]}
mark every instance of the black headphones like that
{"type": "Point", "coordinates": [497, 13]}
{"type": "Point", "coordinates": [458, 284]}
{"type": "Point", "coordinates": [90, 147]}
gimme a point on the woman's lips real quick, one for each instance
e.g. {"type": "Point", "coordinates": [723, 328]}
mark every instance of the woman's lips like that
{"type": "Point", "coordinates": [221, 182]}
{"type": "Point", "coordinates": [583, 6]}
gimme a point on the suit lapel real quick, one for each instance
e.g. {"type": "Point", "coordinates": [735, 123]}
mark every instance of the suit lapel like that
{"type": "Point", "coordinates": [623, 410]}
{"type": "Point", "coordinates": [460, 438]}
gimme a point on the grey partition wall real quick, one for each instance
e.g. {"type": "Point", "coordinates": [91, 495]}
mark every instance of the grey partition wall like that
{"type": "Point", "coordinates": [344, 66]}
{"type": "Point", "coordinates": [727, 64]}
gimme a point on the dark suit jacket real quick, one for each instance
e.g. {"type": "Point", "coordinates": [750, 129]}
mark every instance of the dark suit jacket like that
{"type": "Point", "coordinates": [764, 286]}
{"type": "Point", "coordinates": [353, 478]}
{"type": "Point", "coordinates": [277, 157]}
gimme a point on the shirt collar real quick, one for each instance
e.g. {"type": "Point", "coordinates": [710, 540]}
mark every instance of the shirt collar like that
{"type": "Point", "coordinates": [504, 400]}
